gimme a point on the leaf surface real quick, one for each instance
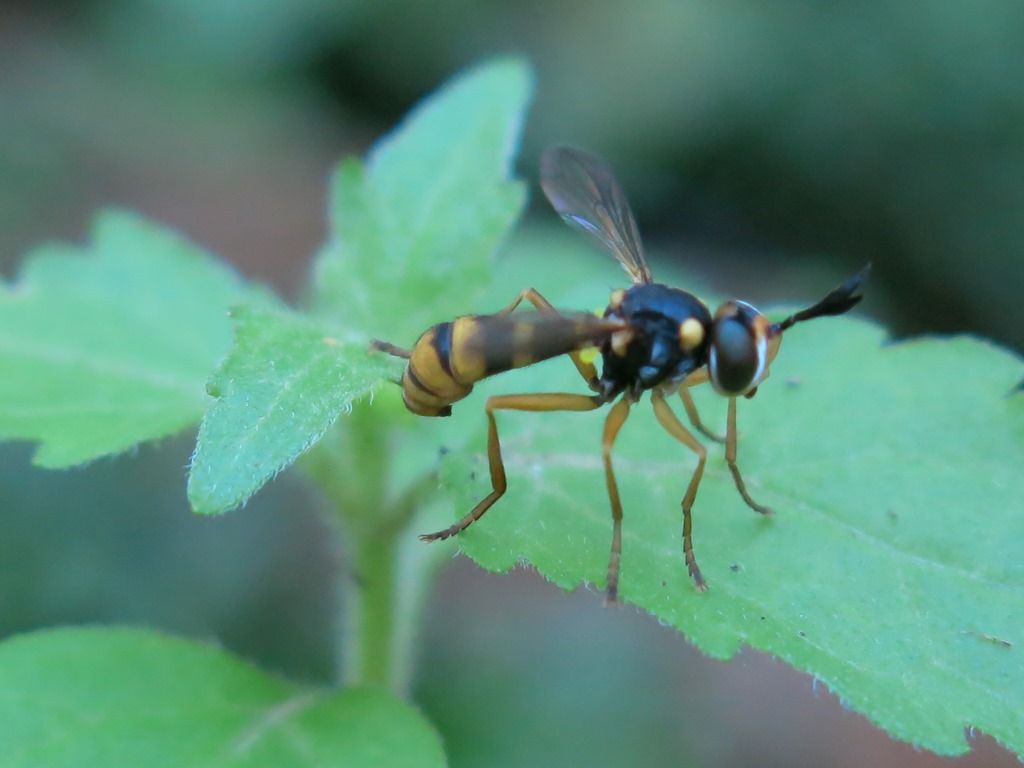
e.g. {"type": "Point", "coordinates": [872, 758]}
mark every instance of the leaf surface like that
{"type": "Point", "coordinates": [74, 697]}
{"type": "Point", "coordinates": [422, 218]}
{"type": "Point", "coordinates": [285, 382]}
{"type": "Point", "coordinates": [892, 568]}
{"type": "Point", "coordinates": [106, 346]}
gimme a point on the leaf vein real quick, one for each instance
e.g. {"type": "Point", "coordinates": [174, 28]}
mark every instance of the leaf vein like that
{"type": "Point", "coordinates": [275, 717]}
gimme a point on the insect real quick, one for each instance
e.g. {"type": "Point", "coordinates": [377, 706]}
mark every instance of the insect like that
{"type": "Point", "coordinates": [652, 337]}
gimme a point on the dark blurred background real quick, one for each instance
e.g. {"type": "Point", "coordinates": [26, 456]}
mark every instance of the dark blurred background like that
{"type": "Point", "coordinates": [770, 148]}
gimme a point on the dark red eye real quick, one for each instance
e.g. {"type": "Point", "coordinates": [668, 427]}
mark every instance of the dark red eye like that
{"type": "Point", "coordinates": [738, 351]}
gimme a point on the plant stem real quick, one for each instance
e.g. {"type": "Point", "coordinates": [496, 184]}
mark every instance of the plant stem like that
{"type": "Point", "coordinates": [368, 647]}
{"type": "Point", "coordinates": [387, 569]}
{"type": "Point", "coordinates": [384, 599]}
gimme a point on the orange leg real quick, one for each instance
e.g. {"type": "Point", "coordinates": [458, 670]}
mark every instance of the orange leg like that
{"type": "Point", "coordinates": [674, 427]}
{"type": "Point", "coordinates": [730, 457]}
{"type": "Point", "coordinates": [536, 402]}
{"type": "Point", "coordinates": [691, 412]}
{"type": "Point", "coordinates": [533, 296]}
{"type": "Point", "coordinates": [616, 418]}
{"type": "Point", "coordinates": [587, 370]}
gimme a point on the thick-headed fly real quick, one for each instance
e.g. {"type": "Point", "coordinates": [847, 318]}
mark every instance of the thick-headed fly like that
{"type": "Point", "coordinates": [652, 337]}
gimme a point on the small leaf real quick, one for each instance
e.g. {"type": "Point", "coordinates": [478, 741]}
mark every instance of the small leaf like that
{"type": "Point", "coordinates": [118, 697]}
{"type": "Point", "coordinates": [433, 202]}
{"type": "Point", "coordinates": [423, 218]}
{"type": "Point", "coordinates": [105, 347]}
{"type": "Point", "coordinates": [286, 380]}
{"type": "Point", "coordinates": [891, 570]}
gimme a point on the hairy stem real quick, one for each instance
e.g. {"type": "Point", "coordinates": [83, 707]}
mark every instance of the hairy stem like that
{"type": "Point", "coordinates": [387, 571]}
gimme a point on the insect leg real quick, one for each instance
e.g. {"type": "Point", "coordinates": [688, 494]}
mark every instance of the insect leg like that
{"type": "Point", "coordinates": [616, 418]}
{"type": "Point", "coordinates": [691, 412]}
{"type": "Point", "coordinates": [391, 349]}
{"type": "Point", "coordinates": [674, 427]}
{"type": "Point", "coordinates": [587, 370]}
{"type": "Point", "coordinates": [531, 295]}
{"type": "Point", "coordinates": [376, 345]}
{"type": "Point", "coordinates": [553, 401]}
{"type": "Point", "coordinates": [730, 457]}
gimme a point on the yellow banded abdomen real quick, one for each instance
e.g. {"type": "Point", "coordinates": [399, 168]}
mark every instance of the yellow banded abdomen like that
{"type": "Point", "coordinates": [449, 358]}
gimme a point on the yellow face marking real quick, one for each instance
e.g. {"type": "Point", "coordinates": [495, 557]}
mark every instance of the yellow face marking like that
{"type": "Point", "coordinates": [774, 342]}
{"type": "Point", "coordinates": [691, 334]}
{"type": "Point", "coordinates": [726, 309]}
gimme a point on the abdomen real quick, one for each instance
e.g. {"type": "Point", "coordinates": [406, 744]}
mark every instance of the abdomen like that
{"type": "Point", "coordinates": [449, 358]}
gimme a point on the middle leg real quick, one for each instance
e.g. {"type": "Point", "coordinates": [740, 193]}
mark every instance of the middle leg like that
{"type": "Point", "coordinates": [546, 308]}
{"type": "Point", "coordinates": [674, 427]}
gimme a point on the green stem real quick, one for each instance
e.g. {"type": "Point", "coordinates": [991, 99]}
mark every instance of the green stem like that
{"type": "Point", "coordinates": [387, 573]}
{"type": "Point", "coordinates": [384, 598]}
{"type": "Point", "coordinates": [368, 639]}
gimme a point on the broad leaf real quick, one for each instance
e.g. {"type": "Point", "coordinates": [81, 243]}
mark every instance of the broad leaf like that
{"type": "Point", "coordinates": [424, 215]}
{"type": "Point", "coordinates": [107, 346]}
{"type": "Point", "coordinates": [116, 697]}
{"type": "Point", "coordinates": [892, 568]}
{"type": "Point", "coordinates": [286, 380]}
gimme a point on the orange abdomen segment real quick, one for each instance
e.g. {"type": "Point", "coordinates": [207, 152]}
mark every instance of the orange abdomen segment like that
{"type": "Point", "coordinates": [428, 386]}
{"type": "Point", "coordinates": [449, 358]}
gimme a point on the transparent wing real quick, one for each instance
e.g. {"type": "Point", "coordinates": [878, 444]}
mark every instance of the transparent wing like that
{"type": "Point", "coordinates": [584, 192]}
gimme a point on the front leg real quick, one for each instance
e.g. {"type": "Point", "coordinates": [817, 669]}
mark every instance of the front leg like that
{"type": "Point", "coordinates": [730, 457]}
{"type": "Point", "coordinates": [674, 427]}
{"type": "Point", "coordinates": [691, 413]}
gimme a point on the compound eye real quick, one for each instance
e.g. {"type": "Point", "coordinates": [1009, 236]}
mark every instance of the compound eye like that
{"type": "Point", "coordinates": [738, 351]}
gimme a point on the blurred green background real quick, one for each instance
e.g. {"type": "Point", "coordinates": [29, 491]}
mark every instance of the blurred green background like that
{"type": "Point", "coordinates": [768, 148]}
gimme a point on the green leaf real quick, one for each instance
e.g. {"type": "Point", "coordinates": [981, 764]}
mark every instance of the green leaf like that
{"type": "Point", "coordinates": [105, 347]}
{"type": "Point", "coordinates": [433, 202]}
{"type": "Point", "coordinates": [284, 383]}
{"type": "Point", "coordinates": [892, 568]}
{"type": "Point", "coordinates": [119, 697]}
{"type": "Point", "coordinates": [424, 217]}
